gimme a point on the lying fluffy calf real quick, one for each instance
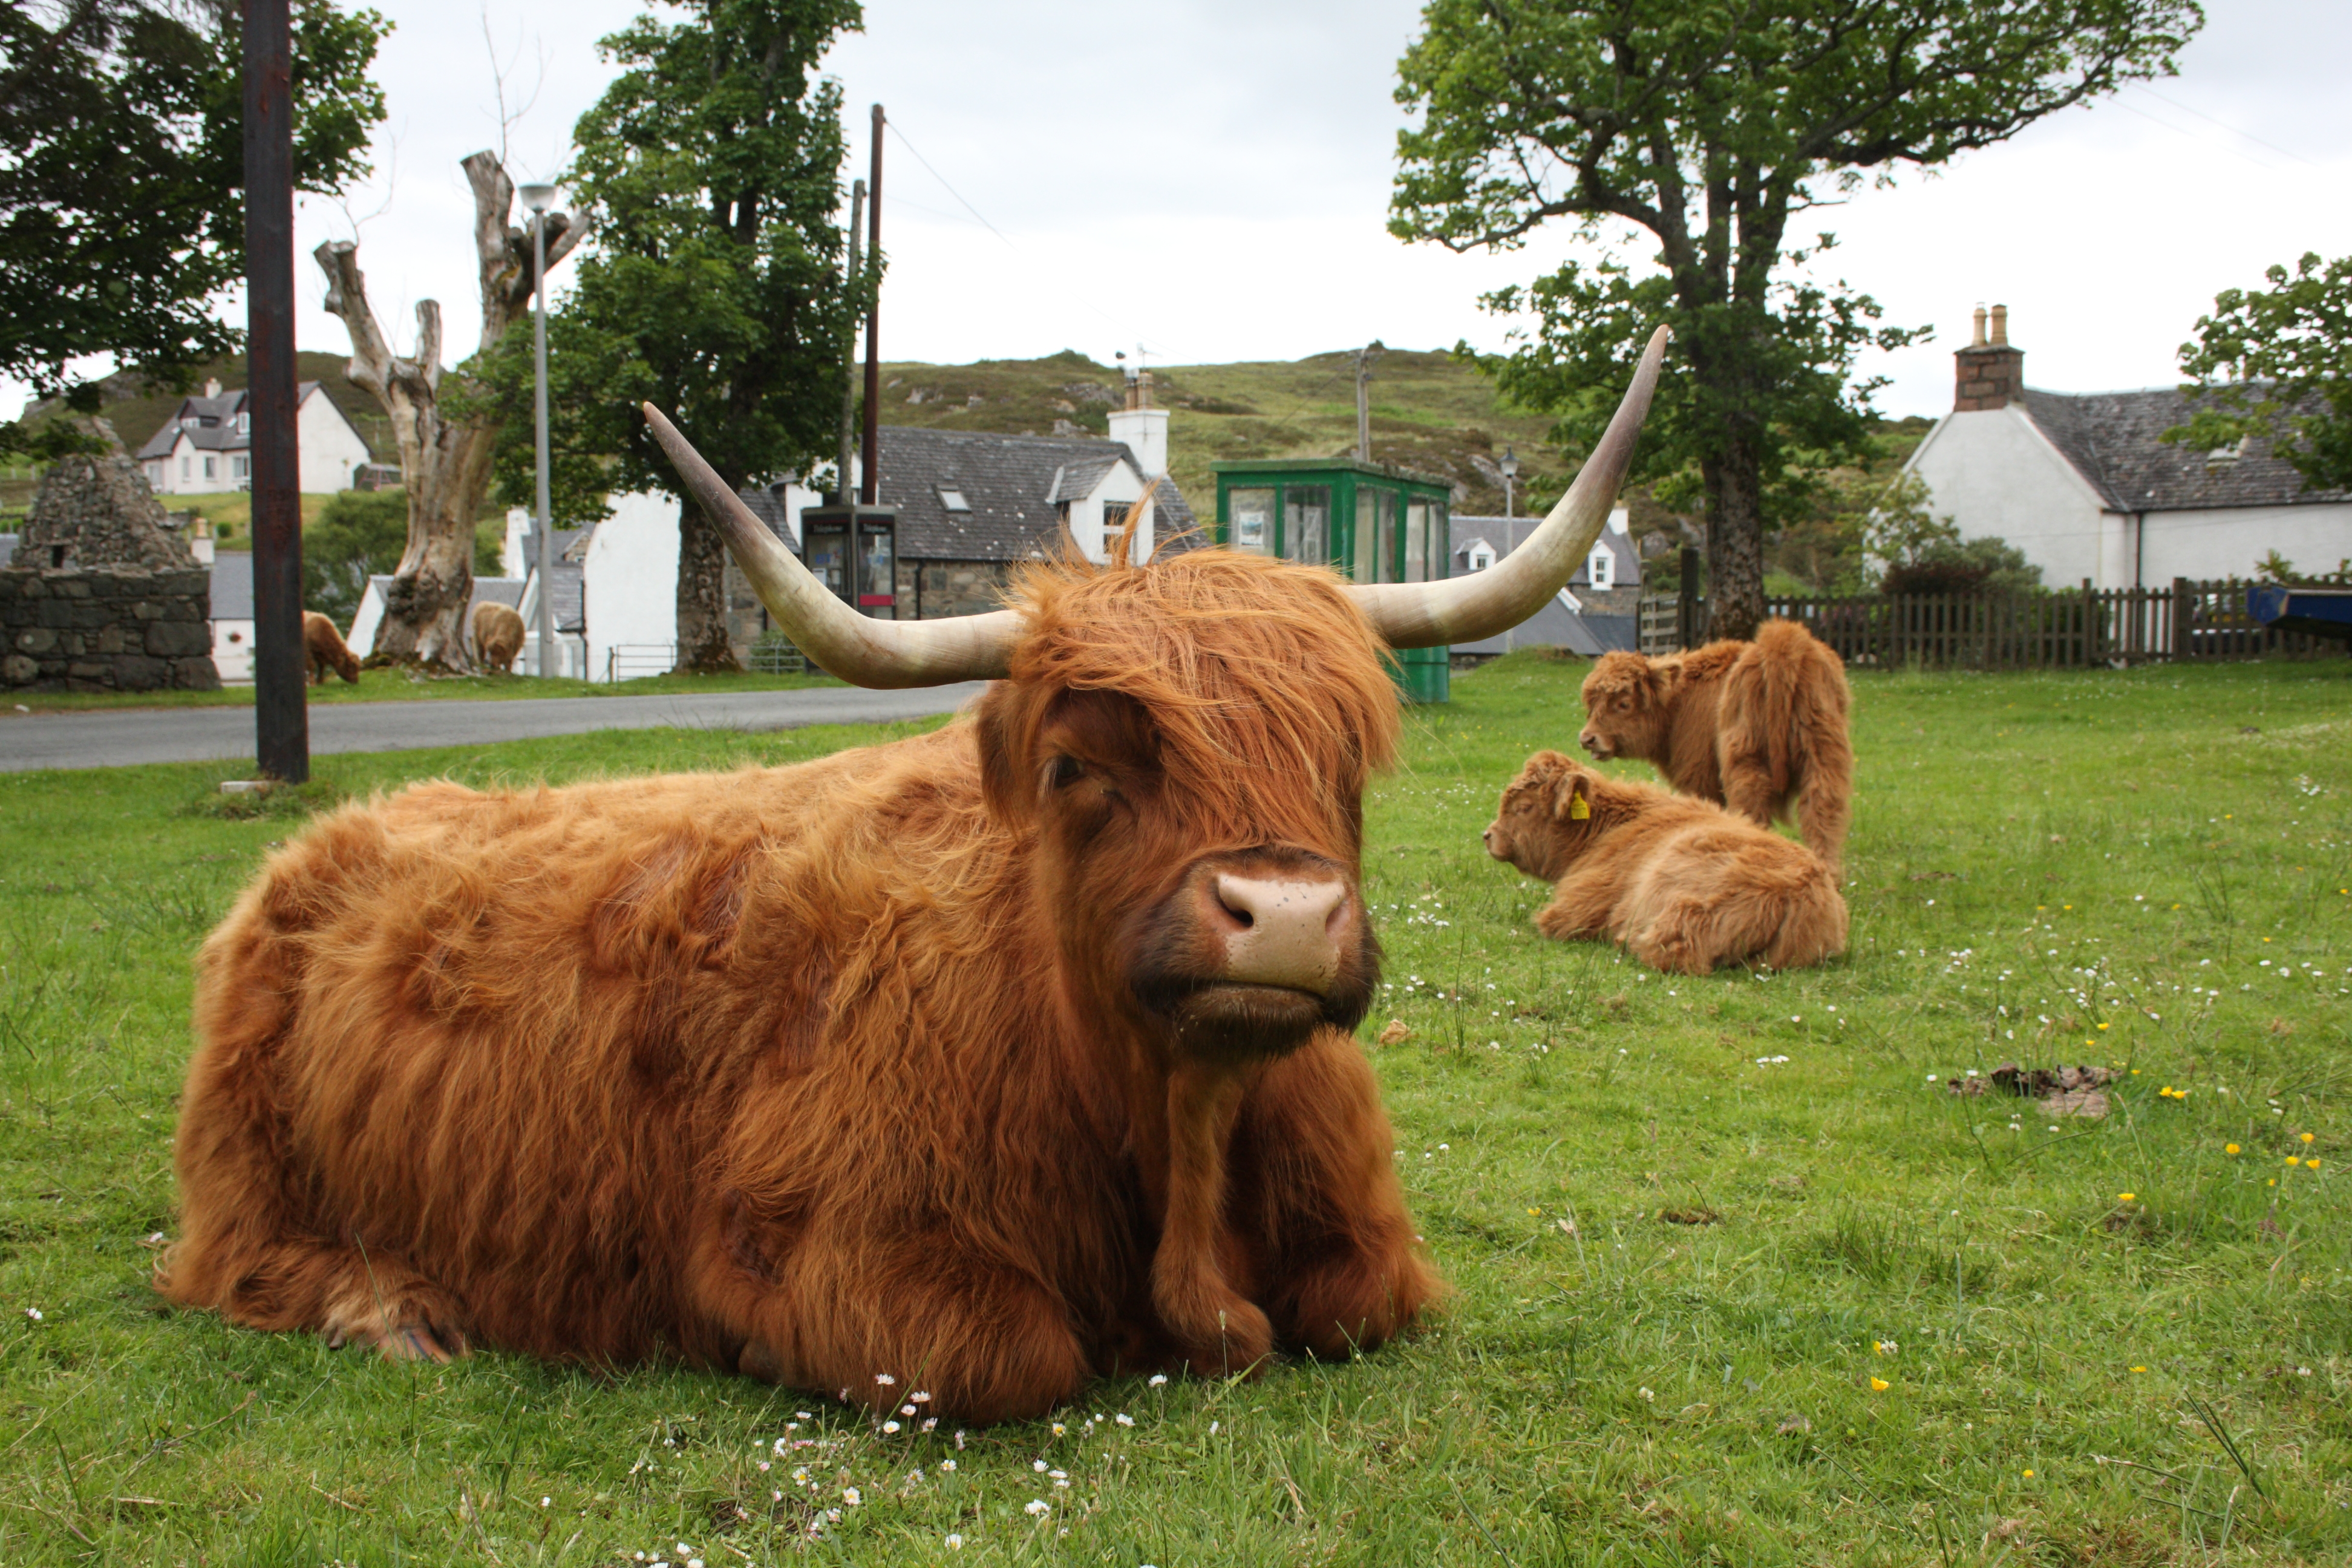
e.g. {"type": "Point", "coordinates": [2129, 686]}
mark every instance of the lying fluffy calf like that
{"type": "Point", "coordinates": [1683, 882]}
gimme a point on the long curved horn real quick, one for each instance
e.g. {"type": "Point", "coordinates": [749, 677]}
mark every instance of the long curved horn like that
{"type": "Point", "coordinates": [857, 648]}
{"type": "Point", "coordinates": [1487, 603]}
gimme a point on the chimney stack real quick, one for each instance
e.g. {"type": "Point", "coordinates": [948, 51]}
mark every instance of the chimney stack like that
{"type": "Point", "coordinates": [1989, 373]}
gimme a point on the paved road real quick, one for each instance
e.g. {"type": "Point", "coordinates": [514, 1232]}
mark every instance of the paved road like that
{"type": "Point", "coordinates": [121, 737]}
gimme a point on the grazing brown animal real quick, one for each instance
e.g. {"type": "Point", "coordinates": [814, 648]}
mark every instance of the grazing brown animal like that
{"type": "Point", "coordinates": [323, 646]}
{"type": "Point", "coordinates": [1751, 726]}
{"type": "Point", "coordinates": [498, 635]}
{"type": "Point", "coordinates": [985, 1061]}
{"type": "Point", "coordinates": [1682, 883]}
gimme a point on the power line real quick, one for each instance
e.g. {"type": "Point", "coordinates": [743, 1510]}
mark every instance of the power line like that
{"type": "Point", "coordinates": [981, 219]}
{"type": "Point", "coordinates": [2225, 125]}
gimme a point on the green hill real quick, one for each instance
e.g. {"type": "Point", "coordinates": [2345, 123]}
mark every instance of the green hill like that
{"type": "Point", "coordinates": [1429, 412]}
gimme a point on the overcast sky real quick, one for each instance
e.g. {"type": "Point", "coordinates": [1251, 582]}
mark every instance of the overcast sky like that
{"type": "Point", "coordinates": [1209, 179]}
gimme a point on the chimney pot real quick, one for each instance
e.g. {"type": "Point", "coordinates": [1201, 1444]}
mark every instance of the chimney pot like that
{"type": "Point", "coordinates": [1978, 341]}
{"type": "Point", "coordinates": [212, 386]}
{"type": "Point", "coordinates": [2001, 326]}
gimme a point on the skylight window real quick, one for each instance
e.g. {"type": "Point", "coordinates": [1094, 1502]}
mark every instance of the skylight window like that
{"type": "Point", "coordinates": [952, 498]}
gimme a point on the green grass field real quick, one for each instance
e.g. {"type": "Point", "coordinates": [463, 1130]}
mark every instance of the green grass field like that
{"type": "Point", "coordinates": [1739, 1280]}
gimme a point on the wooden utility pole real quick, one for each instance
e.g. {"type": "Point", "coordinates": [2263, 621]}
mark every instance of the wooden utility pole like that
{"type": "Point", "coordinates": [849, 361]}
{"type": "Point", "coordinates": [1365, 358]}
{"type": "Point", "coordinates": [871, 453]}
{"type": "Point", "coordinates": [280, 711]}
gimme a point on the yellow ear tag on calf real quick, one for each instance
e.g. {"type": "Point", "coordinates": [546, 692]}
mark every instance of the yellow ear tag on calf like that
{"type": "Point", "coordinates": [1578, 808]}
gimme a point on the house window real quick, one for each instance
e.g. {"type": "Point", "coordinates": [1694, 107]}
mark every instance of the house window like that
{"type": "Point", "coordinates": [240, 468]}
{"type": "Point", "coordinates": [183, 466]}
{"type": "Point", "coordinates": [952, 496]}
{"type": "Point", "coordinates": [1600, 570]}
{"type": "Point", "coordinates": [1481, 557]}
{"type": "Point", "coordinates": [212, 467]}
{"type": "Point", "coordinates": [245, 424]}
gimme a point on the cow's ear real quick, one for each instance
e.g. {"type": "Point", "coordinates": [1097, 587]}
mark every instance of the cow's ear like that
{"type": "Point", "coordinates": [1574, 801]}
{"type": "Point", "coordinates": [1005, 777]}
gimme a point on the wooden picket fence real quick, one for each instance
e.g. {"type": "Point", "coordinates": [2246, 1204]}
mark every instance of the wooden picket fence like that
{"type": "Point", "coordinates": [2072, 629]}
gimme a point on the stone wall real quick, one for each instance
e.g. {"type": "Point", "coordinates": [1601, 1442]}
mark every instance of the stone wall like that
{"type": "Point", "coordinates": [106, 628]}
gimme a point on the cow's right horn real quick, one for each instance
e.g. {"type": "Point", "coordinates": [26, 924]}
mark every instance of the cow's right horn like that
{"type": "Point", "coordinates": [856, 648]}
{"type": "Point", "coordinates": [1488, 603]}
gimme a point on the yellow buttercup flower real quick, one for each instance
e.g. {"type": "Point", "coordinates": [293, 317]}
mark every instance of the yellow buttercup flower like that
{"type": "Point", "coordinates": [2307, 1137]}
{"type": "Point", "coordinates": [2125, 1197]}
{"type": "Point", "coordinates": [1879, 1385]}
{"type": "Point", "coordinates": [2228, 1148]}
{"type": "Point", "coordinates": [2313, 1162]}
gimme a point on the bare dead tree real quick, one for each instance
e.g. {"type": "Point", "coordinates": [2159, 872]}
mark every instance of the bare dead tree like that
{"type": "Point", "coordinates": [444, 461]}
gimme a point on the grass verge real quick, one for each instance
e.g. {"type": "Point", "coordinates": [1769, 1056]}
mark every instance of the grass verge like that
{"type": "Point", "coordinates": [1738, 1280]}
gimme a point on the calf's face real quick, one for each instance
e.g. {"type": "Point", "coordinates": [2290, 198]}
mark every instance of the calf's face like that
{"type": "Point", "coordinates": [1546, 819]}
{"type": "Point", "coordinates": [1624, 706]}
{"type": "Point", "coordinates": [1200, 823]}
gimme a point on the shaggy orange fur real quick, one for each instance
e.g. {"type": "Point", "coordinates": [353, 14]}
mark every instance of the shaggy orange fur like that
{"type": "Point", "coordinates": [1753, 726]}
{"type": "Point", "coordinates": [836, 1070]}
{"type": "Point", "coordinates": [1683, 884]}
{"type": "Point", "coordinates": [498, 635]}
{"type": "Point", "coordinates": [323, 646]}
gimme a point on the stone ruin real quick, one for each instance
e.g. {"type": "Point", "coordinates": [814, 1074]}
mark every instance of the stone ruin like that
{"type": "Point", "coordinates": [102, 595]}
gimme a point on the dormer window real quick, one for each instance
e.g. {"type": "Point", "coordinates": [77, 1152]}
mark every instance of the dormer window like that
{"type": "Point", "coordinates": [245, 424]}
{"type": "Point", "coordinates": [952, 496]}
{"type": "Point", "coordinates": [1600, 570]}
{"type": "Point", "coordinates": [1481, 557]}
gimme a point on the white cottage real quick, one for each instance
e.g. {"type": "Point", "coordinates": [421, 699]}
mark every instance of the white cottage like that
{"type": "Point", "coordinates": [206, 447]}
{"type": "Point", "coordinates": [2081, 483]}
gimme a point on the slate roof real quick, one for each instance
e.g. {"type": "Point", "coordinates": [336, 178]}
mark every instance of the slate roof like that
{"type": "Point", "coordinates": [2110, 438]}
{"type": "Point", "coordinates": [211, 423]}
{"type": "Point", "coordinates": [1014, 483]}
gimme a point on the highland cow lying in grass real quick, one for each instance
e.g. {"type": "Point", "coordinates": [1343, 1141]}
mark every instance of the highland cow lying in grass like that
{"type": "Point", "coordinates": [1683, 883]}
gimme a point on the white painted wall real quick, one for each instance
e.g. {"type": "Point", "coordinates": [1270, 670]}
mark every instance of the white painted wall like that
{"type": "Point", "coordinates": [629, 579]}
{"type": "Point", "coordinates": [2227, 541]}
{"type": "Point", "coordinates": [1145, 431]}
{"type": "Point", "coordinates": [1122, 483]}
{"type": "Point", "coordinates": [327, 448]}
{"type": "Point", "coordinates": [1994, 474]}
{"type": "Point", "coordinates": [233, 651]}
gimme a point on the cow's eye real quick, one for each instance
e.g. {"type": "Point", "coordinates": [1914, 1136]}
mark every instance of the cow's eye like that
{"type": "Point", "coordinates": [1067, 771]}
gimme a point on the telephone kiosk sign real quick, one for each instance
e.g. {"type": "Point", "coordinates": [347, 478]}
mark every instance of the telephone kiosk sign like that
{"type": "Point", "coordinates": [854, 553]}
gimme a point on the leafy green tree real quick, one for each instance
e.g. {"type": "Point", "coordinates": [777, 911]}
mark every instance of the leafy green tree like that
{"type": "Point", "coordinates": [716, 289]}
{"type": "Point", "coordinates": [2276, 364]}
{"type": "Point", "coordinates": [122, 174]}
{"type": "Point", "coordinates": [1718, 130]}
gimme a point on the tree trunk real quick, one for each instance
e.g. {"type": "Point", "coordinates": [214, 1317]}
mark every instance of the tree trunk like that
{"type": "Point", "coordinates": [703, 648]}
{"type": "Point", "coordinates": [1735, 539]}
{"type": "Point", "coordinates": [445, 465]}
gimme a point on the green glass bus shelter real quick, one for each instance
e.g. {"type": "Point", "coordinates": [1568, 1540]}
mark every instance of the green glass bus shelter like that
{"type": "Point", "coordinates": [1367, 521]}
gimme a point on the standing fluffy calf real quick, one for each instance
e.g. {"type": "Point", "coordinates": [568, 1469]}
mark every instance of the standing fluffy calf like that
{"type": "Point", "coordinates": [323, 646]}
{"type": "Point", "coordinates": [1682, 883]}
{"type": "Point", "coordinates": [498, 635]}
{"type": "Point", "coordinates": [1753, 726]}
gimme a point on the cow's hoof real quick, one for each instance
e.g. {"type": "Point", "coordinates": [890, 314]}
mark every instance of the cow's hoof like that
{"type": "Point", "coordinates": [761, 1362]}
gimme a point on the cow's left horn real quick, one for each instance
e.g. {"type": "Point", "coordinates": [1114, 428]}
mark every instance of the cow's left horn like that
{"type": "Point", "coordinates": [858, 650]}
{"type": "Point", "coordinates": [1488, 603]}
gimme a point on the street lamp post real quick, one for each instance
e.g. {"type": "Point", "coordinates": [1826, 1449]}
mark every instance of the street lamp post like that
{"type": "Point", "coordinates": [539, 198]}
{"type": "Point", "coordinates": [1511, 467]}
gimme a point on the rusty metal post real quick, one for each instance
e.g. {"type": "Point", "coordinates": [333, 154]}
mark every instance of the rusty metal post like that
{"type": "Point", "coordinates": [281, 716]}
